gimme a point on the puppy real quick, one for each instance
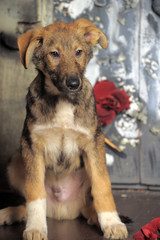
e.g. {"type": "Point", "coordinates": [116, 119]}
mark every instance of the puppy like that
{"type": "Point", "coordinates": [60, 167]}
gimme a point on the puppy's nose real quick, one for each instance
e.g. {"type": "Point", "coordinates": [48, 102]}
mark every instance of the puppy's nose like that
{"type": "Point", "coordinates": [73, 83]}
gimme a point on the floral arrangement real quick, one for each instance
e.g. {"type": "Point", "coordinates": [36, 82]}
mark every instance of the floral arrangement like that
{"type": "Point", "coordinates": [109, 101]}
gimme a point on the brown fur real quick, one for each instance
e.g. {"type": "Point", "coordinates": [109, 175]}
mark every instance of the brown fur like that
{"type": "Point", "coordinates": [61, 130]}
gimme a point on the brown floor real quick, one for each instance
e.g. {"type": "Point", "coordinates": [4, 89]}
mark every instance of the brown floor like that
{"type": "Point", "coordinates": [141, 206]}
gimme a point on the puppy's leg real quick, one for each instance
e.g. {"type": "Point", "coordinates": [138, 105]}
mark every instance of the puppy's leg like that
{"type": "Point", "coordinates": [95, 163]}
{"type": "Point", "coordinates": [36, 226]}
{"type": "Point", "coordinates": [90, 214]}
{"type": "Point", "coordinates": [15, 172]}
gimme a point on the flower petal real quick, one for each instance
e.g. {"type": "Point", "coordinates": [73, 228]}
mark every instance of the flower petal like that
{"type": "Point", "coordinates": [105, 116]}
{"type": "Point", "coordinates": [102, 89]}
{"type": "Point", "coordinates": [122, 99]}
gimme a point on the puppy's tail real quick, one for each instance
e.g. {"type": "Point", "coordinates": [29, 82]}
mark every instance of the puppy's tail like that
{"type": "Point", "coordinates": [10, 215]}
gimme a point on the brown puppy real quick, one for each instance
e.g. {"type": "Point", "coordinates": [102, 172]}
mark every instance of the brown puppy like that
{"type": "Point", "coordinates": [61, 161]}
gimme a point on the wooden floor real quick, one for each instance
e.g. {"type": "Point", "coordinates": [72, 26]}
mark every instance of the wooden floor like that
{"type": "Point", "coordinates": [141, 206]}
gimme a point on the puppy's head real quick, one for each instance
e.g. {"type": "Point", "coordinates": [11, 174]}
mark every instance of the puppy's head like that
{"type": "Point", "coordinates": [61, 51]}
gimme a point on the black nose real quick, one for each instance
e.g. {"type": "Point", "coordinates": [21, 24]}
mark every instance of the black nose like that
{"type": "Point", "coordinates": [73, 83]}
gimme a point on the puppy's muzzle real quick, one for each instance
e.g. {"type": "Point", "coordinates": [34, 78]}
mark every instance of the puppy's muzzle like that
{"type": "Point", "coordinates": [73, 83]}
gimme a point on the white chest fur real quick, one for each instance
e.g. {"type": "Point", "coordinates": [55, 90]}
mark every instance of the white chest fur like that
{"type": "Point", "coordinates": [60, 135]}
{"type": "Point", "coordinates": [64, 117]}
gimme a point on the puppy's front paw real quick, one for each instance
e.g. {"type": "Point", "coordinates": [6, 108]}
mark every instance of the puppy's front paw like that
{"type": "Point", "coordinates": [34, 235]}
{"type": "Point", "coordinates": [112, 226]}
{"type": "Point", "coordinates": [116, 231]}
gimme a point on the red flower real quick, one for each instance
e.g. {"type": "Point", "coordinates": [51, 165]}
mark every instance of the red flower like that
{"type": "Point", "coordinates": [149, 231]}
{"type": "Point", "coordinates": [109, 100]}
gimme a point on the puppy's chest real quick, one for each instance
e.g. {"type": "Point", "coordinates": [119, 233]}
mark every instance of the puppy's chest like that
{"type": "Point", "coordinates": [58, 137]}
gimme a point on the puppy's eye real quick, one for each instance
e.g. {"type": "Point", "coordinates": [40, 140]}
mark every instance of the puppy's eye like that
{"type": "Point", "coordinates": [78, 53]}
{"type": "Point", "coordinates": [55, 54]}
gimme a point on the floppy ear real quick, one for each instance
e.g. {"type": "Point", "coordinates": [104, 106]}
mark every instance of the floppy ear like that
{"type": "Point", "coordinates": [92, 34]}
{"type": "Point", "coordinates": [27, 43]}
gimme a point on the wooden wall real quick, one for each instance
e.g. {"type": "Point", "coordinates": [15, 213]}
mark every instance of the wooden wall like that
{"type": "Point", "coordinates": [14, 81]}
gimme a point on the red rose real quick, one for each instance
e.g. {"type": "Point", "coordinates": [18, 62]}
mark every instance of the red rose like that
{"type": "Point", "coordinates": [109, 101]}
{"type": "Point", "coordinates": [149, 231]}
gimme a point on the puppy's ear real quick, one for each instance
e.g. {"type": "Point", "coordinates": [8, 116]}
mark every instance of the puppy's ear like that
{"type": "Point", "coordinates": [92, 34]}
{"type": "Point", "coordinates": [27, 43]}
